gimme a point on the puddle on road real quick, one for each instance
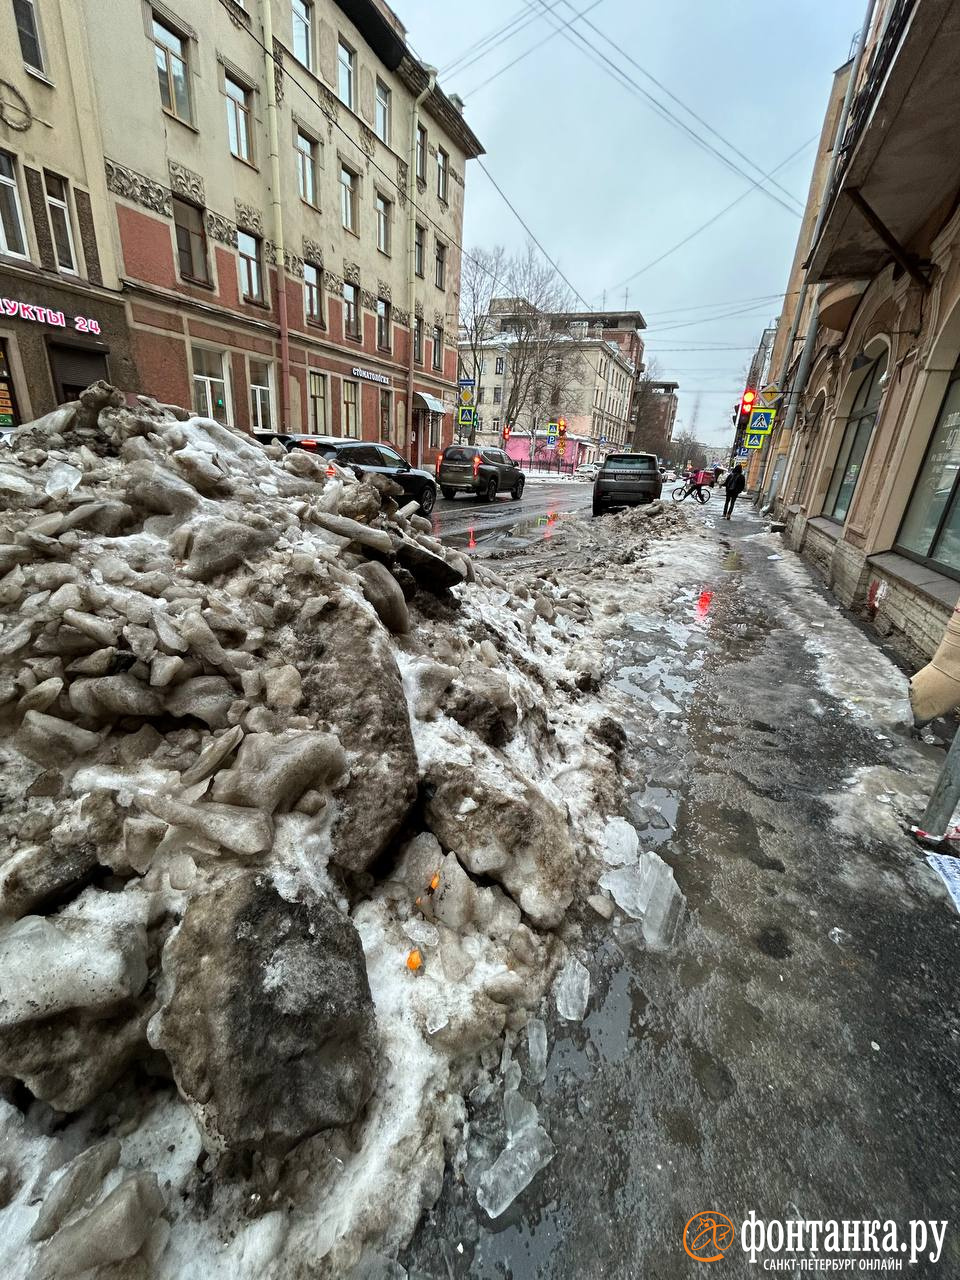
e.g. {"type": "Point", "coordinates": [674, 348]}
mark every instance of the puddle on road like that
{"type": "Point", "coordinates": [507, 537]}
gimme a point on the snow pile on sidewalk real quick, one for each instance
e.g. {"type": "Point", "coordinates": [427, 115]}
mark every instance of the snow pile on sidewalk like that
{"type": "Point", "coordinates": [285, 840]}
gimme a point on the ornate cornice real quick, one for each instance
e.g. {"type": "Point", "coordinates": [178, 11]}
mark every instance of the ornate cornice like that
{"type": "Point", "coordinates": [418, 309]}
{"type": "Point", "coordinates": [312, 252]}
{"type": "Point", "coordinates": [138, 189]}
{"type": "Point", "coordinates": [220, 228]}
{"type": "Point", "coordinates": [334, 283]}
{"type": "Point", "coordinates": [368, 139]}
{"type": "Point", "coordinates": [351, 272]}
{"type": "Point", "coordinates": [184, 182]}
{"type": "Point", "coordinates": [368, 300]}
{"type": "Point", "coordinates": [384, 290]}
{"type": "Point", "coordinates": [249, 218]}
{"type": "Point", "coordinates": [401, 317]}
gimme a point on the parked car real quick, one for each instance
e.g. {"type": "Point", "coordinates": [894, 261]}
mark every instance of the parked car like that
{"type": "Point", "coordinates": [485, 472]}
{"type": "Point", "coordinates": [587, 471]}
{"type": "Point", "coordinates": [363, 457]}
{"type": "Point", "coordinates": [626, 480]}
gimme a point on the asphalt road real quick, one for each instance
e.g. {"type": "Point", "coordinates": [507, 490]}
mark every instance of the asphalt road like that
{"type": "Point", "coordinates": [487, 527]}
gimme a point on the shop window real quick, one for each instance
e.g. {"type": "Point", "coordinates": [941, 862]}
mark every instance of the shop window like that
{"type": "Point", "coordinates": [170, 51]}
{"type": "Point", "coordinates": [312, 295]}
{"type": "Point", "coordinates": [318, 403]}
{"type": "Point", "coordinates": [191, 241]}
{"type": "Point", "coordinates": [9, 411]}
{"type": "Point", "coordinates": [12, 238]}
{"type": "Point", "coordinates": [28, 30]}
{"type": "Point", "coordinates": [303, 32]}
{"type": "Point", "coordinates": [251, 266]}
{"type": "Point", "coordinates": [351, 310]}
{"type": "Point", "coordinates": [386, 415]}
{"type": "Point", "coordinates": [931, 526]}
{"type": "Point", "coordinates": [261, 395]}
{"type": "Point", "coordinates": [351, 409]}
{"type": "Point", "coordinates": [210, 398]}
{"type": "Point", "coordinates": [239, 109]}
{"type": "Point", "coordinates": [436, 430]}
{"type": "Point", "coordinates": [853, 446]}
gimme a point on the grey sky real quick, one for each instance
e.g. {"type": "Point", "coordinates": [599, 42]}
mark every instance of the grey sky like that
{"type": "Point", "coordinates": [607, 185]}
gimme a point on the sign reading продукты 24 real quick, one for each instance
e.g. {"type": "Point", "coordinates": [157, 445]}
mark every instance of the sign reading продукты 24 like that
{"type": "Point", "coordinates": [43, 315]}
{"type": "Point", "coordinates": [761, 422]}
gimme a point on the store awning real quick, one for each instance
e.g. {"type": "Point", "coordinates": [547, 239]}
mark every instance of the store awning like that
{"type": "Point", "coordinates": [430, 402]}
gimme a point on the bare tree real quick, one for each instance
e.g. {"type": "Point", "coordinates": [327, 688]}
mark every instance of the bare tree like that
{"type": "Point", "coordinates": [687, 448]}
{"type": "Point", "coordinates": [483, 277]}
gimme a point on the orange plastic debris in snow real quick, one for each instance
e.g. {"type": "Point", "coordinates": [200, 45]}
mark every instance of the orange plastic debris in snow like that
{"type": "Point", "coordinates": [435, 882]}
{"type": "Point", "coordinates": [414, 960]}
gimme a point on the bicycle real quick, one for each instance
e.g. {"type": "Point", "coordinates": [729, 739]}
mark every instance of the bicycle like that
{"type": "Point", "coordinates": [702, 495]}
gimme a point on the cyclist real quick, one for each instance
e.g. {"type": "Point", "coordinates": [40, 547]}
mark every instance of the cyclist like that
{"type": "Point", "coordinates": [696, 482]}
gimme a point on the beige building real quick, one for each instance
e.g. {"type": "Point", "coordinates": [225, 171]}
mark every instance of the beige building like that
{"type": "Point", "coordinates": [278, 189]}
{"type": "Point", "coordinates": [870, 480]}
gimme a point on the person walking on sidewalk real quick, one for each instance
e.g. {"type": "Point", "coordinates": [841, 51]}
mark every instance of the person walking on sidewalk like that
{"type": "Point", "coordinates": [735, 483]}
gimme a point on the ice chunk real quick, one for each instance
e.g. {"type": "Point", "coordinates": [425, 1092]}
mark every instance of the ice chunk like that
{"type": "Point", "coordinates": [572, 990]}
{"type": "Point", "coordinates": [422, 932]}
{"type": "Point", "coordinates": [649, 893]}
{"type": "Point", "coordinates": [62, 479]}
{"type": "Point", "coordinates": [436, 1021]}
{"type": "Point", "coordinates": [621, 843]}
{"type": "Point", "coordinates": [537, 1049]}
{"type": "Point", "coordinates": [518, 1113]}
{"type": "Point", "coordinates": [514, 1169]}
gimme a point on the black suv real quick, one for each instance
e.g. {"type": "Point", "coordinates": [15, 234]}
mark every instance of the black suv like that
{"type": "Point", "coordinates": [625, 480]}
{"type": "Point", "coordinates": [462, 468]}
{"type": "Point", "coordinates": [363, 457]}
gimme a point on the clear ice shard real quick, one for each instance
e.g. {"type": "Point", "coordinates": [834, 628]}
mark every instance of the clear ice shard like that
{"type": "Point", "coordinates": [537, 1049]}
{"type": "Point", "coordinates": [518, 1114]}
{"type": "Point", "coordinates": [572, 990]}
{"type": "Point", "coordinates": [621, 843]}
{"type": "Point", "coordinates": [648, 892]}
{"type": "Point", "coordinates": [514, 1169]}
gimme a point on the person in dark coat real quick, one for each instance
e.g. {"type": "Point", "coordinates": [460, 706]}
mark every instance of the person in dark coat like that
{"type": "Point", "coordinates": [734, 484]}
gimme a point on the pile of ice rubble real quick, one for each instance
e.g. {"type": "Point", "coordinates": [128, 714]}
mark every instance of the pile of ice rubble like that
{"type": "Point", "coordinates": [294, 803]}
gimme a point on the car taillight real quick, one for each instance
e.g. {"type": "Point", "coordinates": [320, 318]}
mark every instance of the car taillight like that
{"type": "Point", "coordinates": [308, 444]}
{"type": "Point", "coordinates": [439, 460]}
{"type": "Point", "coordinates": [476, 463]}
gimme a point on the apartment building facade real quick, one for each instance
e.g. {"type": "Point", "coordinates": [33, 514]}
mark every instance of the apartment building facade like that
{"type": "Point", "coordinates": [870, 482]}
{"type": "Point", "coordinates": [283, 184]}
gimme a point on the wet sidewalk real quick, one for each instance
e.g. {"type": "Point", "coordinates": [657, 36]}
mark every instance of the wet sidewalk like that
{"type": "Point", "coordinates": [796, 1050]}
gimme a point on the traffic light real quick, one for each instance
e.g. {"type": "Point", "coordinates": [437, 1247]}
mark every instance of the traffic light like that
{"type": "Point", "coordinates": [506, 432]}
{"type": "Point", "coordinates": [561, 427]}
{"type": "Point", "coordinates": [747, 402]}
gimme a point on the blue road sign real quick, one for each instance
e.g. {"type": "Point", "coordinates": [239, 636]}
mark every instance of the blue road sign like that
{"type": "Point", "coordinates": [761, 422]}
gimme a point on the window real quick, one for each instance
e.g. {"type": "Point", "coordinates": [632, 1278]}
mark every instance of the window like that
{"type": "Point", "coordinates": [437, 346]}
{"type": "Point", "coordinates": [499, 365]}
{"type": "Point", "coordinates": [496, 425]}
{"type": "Point", "coordinates": [351, 409]}
{"type": "Point", "coordinates": [59, 211]}
{"type": "Point", "coordinates": [436, 427]}
{"type": "Point", "coordinates": [312, 300]}
{"type": "Point", "coordinates": [386, 419]}
{"type": "Point", "coordinates": [419, 248]}
{"type": "Point", "coordinates": [209, 384]}
{"type": "Point", "coordinates": [418, 340]}
{"type": "Point", "coordinates": [443, 173]}
{"type": "Point", "coordinates": [318, 403]}
{"type": "Point", "coordinates": [171, 58]}
{"type": "Point", "coordinates": [251, 271]}
{"type": "Point", "coordinates": [497, 394]}
{"type": "Point", "coordinates": [191, 241]}
{"type": "Point", "coordinates": [383, 324]}
{"type": "Point", "coordinates": [346, 59]}
{"type": "Point", "coordinates": [351, 310]}
{"type": "Point", "coordinates": [384, 212]}
{"type": "Point", "coordinates": [261, 395]}
{"type": "Point", "coordinates": [853, 446]}
{"type": "Point", "coordinates": [383, 112]}
{"type": "Point", "coordinates": [29, 33]}
{"type": "Point", "coordinates": [303, 32]}
{"type": "Point", "coordinates": [481, 391]}
{"type": "Point", "coordinates": [12, 239]}
{"type": "Point", "coordinates": [348, 199]}
{"type": "Point", "coordinates": [421, 153]}
{"type": "Point", "coordinates": [931, 525]}
{"type": "Point", "coordinates": [306, 167]}
{"type": "Point", "coordinates": [440, 278]}
{"type": "Point", "coordinates": [238, 118]}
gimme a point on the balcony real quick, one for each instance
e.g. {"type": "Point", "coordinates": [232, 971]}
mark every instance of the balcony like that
{"type": "Point", "coordinates": [899, 166]}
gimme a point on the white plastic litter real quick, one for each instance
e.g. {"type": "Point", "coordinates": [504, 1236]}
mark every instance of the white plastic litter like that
{"type": "Point", "coordinates": [572, 990]}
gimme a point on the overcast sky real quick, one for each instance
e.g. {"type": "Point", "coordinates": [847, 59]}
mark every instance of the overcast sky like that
{"type": "Point", "coordinates": [607, 184]}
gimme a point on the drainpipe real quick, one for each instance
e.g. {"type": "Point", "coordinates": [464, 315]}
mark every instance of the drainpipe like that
{"type": "Point", "coordinates": [276, 200]}
{"type": "Point", "coordinates": [799, 384]}
{"type": "Point", "coordinates": [411, 247]}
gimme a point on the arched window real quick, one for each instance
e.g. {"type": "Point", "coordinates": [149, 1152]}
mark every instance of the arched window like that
{"type": "Point", "coordinates": [853, 447]}
{"type": "Point", "coordinates": [931, 524]}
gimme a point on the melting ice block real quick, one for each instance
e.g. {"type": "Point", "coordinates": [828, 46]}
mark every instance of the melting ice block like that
{"type": "Point", "coordinates": [537, 1049]}
{"type": "Point", "coordinates": [648, 892]}
{"type": "Point", "coordinates": [621, 842]}
{"type": "Point", "coordinates": [514, 1169]}
{"type": "Point", "coordinates": [572, 990]}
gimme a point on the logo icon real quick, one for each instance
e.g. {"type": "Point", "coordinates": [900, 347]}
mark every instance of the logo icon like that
{"type": "Point", "coordinates": [708, 1235]}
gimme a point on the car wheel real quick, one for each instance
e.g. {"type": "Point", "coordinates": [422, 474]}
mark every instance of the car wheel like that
{"type": "Point", "coordinates": [517, 491]}
{"type": "Point", "coordinates": [448, 493]}
{"type": "Point", "coordinates": [489, 491]}
{"type": "Point", "coordinates": [428, 497]}
{"type": "Point", "coordinates": [597, 509]}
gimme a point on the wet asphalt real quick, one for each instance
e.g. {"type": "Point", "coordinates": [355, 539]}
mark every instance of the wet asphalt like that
{"type": "Point", "coordinates": [486, 528]}
{"type": "Point", "coordinates": [797, 1052]}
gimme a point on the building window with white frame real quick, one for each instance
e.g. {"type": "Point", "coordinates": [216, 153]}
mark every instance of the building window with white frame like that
{"type": "Point", "coordinates": [497, 394]}
{"type": "Point", "coordinates": [261, 395]}
{"type": "Point", "coordinates": [440, 278]}
{"type": "Point", "coordinates": [384, 212]}
{"type": "Point", "coordinates": [28, 30]}
{"type": "Point", "coordinates": [383, 324]}
{"type": "Point", "coordinates": [436, 430]}
{"type": "Point", "coordinates": [421, 153]}
{"type": "Point", "coordinates": [438, 346]}
{"type": "Point", "coordinates": [239, 99]}
{"type": "Point", "coordinates": [351, 409]}
{"type": "Point", "coordinates": [209, 385]}
{"type": "Point", "coordinates": [170, 51]}
{"type": "Point", "coordinates": [351, 310]}
{"type": "Point", "coordinates": [499, 365]}
{"type": "Point", "coordinates": [419, 249]}
{"type": "Point", "coordinates": [318, 403]}
{"type": "Point", "coordinates": [303, 32]}
{"type": "Point", "coordinates": [251, 266]}
{"type": "Point", "coordinates": [312, 296]}
{"type": "Point", "coordinates": [306, 167]}
{"type": "Point", "coordinates": [346, 72]}
{"type": "Point", "coordinates": [349, 183]}
{"type": "Point", "coordinates": [59, 211]}
{"type": "Point", "coordinates": [383, 112]}
{"type": "Point", "coordinates": [13, 241]}
{"type": "Point", "coordinates": [443, 174]}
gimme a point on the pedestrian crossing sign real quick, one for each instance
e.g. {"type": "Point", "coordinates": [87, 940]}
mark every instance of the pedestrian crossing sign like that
{"type": "Point", "coordinates": [753, 440]}
{"type": "Point", "coordinates": [761, 422]}
{"type": "Point", "coordinates": [466, 417]}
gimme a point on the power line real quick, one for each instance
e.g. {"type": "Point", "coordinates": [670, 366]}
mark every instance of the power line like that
{"type": "Point", "coordinates": [705, 306]}
{"type": "Point", "coordinates": [723, 315]}
{"type": "Point", "coordinates": [493, 39]}
{"type": "Point", "coordinates": [566, 23]}
{"type": "Point", "coordinates": [576, 36]}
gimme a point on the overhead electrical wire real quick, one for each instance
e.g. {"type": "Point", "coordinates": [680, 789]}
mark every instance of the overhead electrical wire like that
{"type": "Point", "coordinates": [534, 48]}
{"type": "Point", "coordinates": [486, 44]}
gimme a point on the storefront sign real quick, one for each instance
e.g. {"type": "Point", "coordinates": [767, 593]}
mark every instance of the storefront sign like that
{"type": "Point", "coordinates": [371, 377]}
{"type": "Point", "coordinates": [43, 315]}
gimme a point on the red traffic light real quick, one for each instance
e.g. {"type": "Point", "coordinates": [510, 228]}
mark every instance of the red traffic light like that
{"type": "Point", "coordinates": [562, 426]}
{"type": "Point", "coordinates": [746, 404]}
{"type": "Point", "coordinates": [506, 432]}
